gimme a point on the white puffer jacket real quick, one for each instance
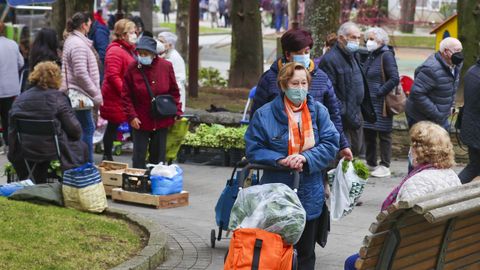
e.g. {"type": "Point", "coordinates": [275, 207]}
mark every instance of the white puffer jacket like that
{"type": "Point", "coordinates": [427, 181]}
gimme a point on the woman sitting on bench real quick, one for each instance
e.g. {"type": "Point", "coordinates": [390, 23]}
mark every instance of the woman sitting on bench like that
{"type": "Point", "coordinates": [44, 102]}
{"type": "Point", "coordinates": [432, 157]}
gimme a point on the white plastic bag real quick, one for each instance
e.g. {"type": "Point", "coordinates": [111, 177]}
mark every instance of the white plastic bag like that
{"type": "Point", "coordinates": [271, 207]}
{"type": "Point", "coordinates": [347, 187]}
{"type": "Point", "coordinates": [164, 170]}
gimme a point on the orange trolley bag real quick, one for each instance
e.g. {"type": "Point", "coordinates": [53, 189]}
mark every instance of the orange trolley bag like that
{"type": "Point", "coordinates": [252, 249]}
{"type": "Point", "coordinates": [257, 249]}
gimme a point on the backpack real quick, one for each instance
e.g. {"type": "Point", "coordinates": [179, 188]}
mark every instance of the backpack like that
{"type": "Point", "coordinates": [253, 249]}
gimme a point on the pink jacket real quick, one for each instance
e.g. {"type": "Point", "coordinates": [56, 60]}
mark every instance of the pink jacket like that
{"type": "Point", "coordinates": [81, 66]}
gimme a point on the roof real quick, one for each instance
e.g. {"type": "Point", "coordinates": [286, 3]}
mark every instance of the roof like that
{"type": "Point", "coordinates": [443, 23]}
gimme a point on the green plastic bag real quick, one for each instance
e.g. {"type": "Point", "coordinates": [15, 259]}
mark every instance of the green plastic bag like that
{"type": "Point", "coordinates": [175, 136]}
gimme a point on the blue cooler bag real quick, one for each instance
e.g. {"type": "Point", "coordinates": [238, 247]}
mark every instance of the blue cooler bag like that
{"type": "Point", "coordinates": [162, 185]}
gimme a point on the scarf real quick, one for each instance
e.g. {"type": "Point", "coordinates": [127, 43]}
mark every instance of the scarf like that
{"type": "Point", "coordinates": [300, 135]}
{"type": "Point", "coordinates": [392, 197]}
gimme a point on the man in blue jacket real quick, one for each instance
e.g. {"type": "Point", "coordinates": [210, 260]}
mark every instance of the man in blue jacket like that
{"type": "Point", "coordinates": [296, 45]}
{"type": "Point", "coordinates": [432, 96]}
{"type": "Point", "coordinates": [342, 66]}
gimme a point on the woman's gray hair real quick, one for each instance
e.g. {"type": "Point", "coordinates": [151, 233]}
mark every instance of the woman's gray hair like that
{"type": "Point", "coordinates": [345, 28]}
{"type": "Point", "coordinates": [169, 37]}
{"type": "Point", "coordinates": [379, 33]}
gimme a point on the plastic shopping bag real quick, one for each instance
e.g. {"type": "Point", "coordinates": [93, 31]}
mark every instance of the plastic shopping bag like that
{"type": "Point", "coordinates": [347, 188]}
{"type": "Point", "coordinates": [275, 208]}
{"type": "Point", "coordinates": [175, 136]}
{"type": "Point", "coordinates": [166, 179]}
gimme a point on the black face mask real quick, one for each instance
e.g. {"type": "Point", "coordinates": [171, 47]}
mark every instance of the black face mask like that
{"type": "Point", "coordinates": [457, 58]}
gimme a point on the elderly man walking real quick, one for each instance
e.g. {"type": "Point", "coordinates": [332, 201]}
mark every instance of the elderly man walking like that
{"type": "Point", "coordinates": [432, 96]}
{"type": "Point", "coordinates": [342, 66]}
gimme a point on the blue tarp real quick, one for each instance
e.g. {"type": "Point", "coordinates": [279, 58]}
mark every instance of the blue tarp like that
{"type": "Point", "coordinates": [15, 3]}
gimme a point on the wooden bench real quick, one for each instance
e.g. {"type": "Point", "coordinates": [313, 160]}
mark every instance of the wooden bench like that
{"type": "Point", "coordinates": [438, 231]}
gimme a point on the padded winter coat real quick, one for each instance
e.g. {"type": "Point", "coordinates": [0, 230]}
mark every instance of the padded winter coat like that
{"type": "Point", "coordinates": [321, 90]}
{"type": "Point", "coordinates": [119, 55]}
{"type": "Point", "coordinates": [340, 67]}
{"type": "Point", "coordinates": [379, 87]}
{"type": "Point", "coordinates": [433, 91]}
{"type": "Point", "coordinates": [266, 142]}
{"type": "Point", "coordinates": [136, 99]}
{"type": "Point", "coordinates": [470, 130]}
{"type": "Point", "coordinates": [426, 182]}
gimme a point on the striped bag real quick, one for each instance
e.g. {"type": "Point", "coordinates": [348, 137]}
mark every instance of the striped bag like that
{"type": "Point", "coordinates": [83, 189]}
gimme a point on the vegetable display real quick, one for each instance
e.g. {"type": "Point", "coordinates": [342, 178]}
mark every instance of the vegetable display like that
{"type": "Point", "coordinates": [217, 136]}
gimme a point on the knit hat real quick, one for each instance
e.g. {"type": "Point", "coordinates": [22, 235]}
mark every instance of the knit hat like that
{"type": "Point", "coordinates": [148, 44]}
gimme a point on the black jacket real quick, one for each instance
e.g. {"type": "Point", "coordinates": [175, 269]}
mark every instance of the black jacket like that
{"type": "Point", "coordinates": [40, 104]}
{"type": "Point", "coordinates": [340, 67]}
{"type": "Point", "coordinates": [470, 130]}
{"type": "Point", "coordinates": [433, 91]}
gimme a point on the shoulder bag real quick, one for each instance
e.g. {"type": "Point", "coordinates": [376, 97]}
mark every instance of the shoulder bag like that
{"type": "Point", "coordinates": [79, 100]}
{"type": "Point", "coordinates": [163, 106]}
{"type": "Point", "coordinates": [395, 100]}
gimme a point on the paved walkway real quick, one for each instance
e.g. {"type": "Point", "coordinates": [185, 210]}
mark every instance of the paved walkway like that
{"type": "Point", "coordinates": [189, 227]}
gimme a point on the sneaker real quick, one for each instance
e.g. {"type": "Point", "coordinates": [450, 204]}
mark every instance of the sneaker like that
{"type": "Point", "coordinates": [381, 171]}
{"type": "Point", "coordinates": [372, 168]}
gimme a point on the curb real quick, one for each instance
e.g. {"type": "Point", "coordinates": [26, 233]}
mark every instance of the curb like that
{"type": "Point", "coordinates": [154, 253]}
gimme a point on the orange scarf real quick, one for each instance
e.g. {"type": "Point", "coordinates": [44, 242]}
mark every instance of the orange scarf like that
{"type": "Point", "coordinates": [300, 135]}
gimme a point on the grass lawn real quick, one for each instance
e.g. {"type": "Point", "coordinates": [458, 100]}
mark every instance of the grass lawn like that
{"type": "Point", "coordinates": [202, 30]}
{"type": "Point", "coordinates": [233, 100]}
{"type": "Point", "coordinates": [50, 237]}
{"type": "Point", "coordinates": [413, 41]}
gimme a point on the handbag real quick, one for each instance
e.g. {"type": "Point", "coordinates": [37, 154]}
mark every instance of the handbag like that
{"type": "Point", "coordinates": [163, 106]}
{"type": "Point", "coordinates": [395, 100]}
{"type": "Point", "coordinates": [323, 226]}
{"type": "Point", "coordinates": [78, 100]}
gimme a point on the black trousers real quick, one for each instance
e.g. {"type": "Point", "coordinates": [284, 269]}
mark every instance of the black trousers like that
{"type": "Point", "coordinates": [306, 245]}
{"type": "Point", "coordinates": [472, 169]}
{"type": "Point", "coordinates": [39, 174]}
{"type": "Point", "coordinates": [5, 106]}
{"type": "Point", "coordinates": [155, 141]}
{"type": "Point", "coordinates": [355, 137]}
{"type": "Point", "coordinates": [108, 138]}
{"type": "Point", "coordinates": [371, 147]}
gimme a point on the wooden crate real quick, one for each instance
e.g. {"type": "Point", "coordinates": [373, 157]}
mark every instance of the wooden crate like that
{"type": "Point", "coordinates": [108, 189]}
{"type": "Point", "coordinates": [158, 201]}
{"type": "Point", "coordinates": [111, 172]}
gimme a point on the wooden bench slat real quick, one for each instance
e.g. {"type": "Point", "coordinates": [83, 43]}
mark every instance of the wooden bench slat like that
{"type": "Point", "coordinates": [411, 203]}
{"type": "Point", "coordinates": [453, 255]}
{"type": "Point", "coordinates": [468, 261]}
{"type": "Point", "coordinates": [464, 241]}
{"type": "Point", "coordinates": [449, 211]}
{"type": "Point", "coordinates": [429, 254]}
{"type": "Point", "coordinates": [453, 198]}
{"type": "Point", "coordinates": [465, 231]}
{"type": "Point", "coordinates": [425, 265]}
{"type": "Point", "coordinates": [410, 218]}
{"type": "Point", "coordinates": [404, 250]}
{"type": "Point", "coordinates": [468, 220]}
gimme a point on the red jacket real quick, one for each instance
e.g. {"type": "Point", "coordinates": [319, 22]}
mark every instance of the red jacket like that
{"type": "Point", "coordinates": [136, 99]}
{"type": "Point", "coordinates": [119, 55]}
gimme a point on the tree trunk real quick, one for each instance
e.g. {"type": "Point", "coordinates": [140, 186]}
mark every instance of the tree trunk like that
{"type": "Point", "coordinates": [293, 14]}
{"type": "Point", "coordinates": [407, 16]}
{"type": "Point", "coordinates": [182, 27]}
{"type": "Point", "coordinates": [64, 9]}
{"type": "Point", "coordinates": [59, 17]}
{"type": "Point", "coordinates": [469, 34]}
{"type": "Point", "coordinates": [322, 17]}
{"type": "Point", "coordinates": [246, 63]}
{"type": "Point", "coordinates": [146, 11]}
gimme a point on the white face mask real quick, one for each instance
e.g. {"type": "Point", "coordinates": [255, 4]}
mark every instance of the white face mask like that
{"type": "Point", "coordinates": [132, 38]}
{"type": "Point", "coordinates": [371, 45]}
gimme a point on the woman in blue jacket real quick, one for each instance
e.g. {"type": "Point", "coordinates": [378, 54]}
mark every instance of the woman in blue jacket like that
{"type": "Point", "coordinates": [296, 132]}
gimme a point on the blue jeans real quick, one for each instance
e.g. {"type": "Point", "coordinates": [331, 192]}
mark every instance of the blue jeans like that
{"type": "Point", "coordinates": [88, 127]}
{"type": "Point", "coordinates": [278, 22]}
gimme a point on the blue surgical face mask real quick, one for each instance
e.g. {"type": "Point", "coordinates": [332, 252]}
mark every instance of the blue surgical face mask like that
{"type": "Point", "coordinates": [145, 60]}
{"type": "Point", "coordinates": [296, 95]}
{"type": "Point", "coordinates": [303, 59]}
{"type": "Point", "coordinates": [352, 46]}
